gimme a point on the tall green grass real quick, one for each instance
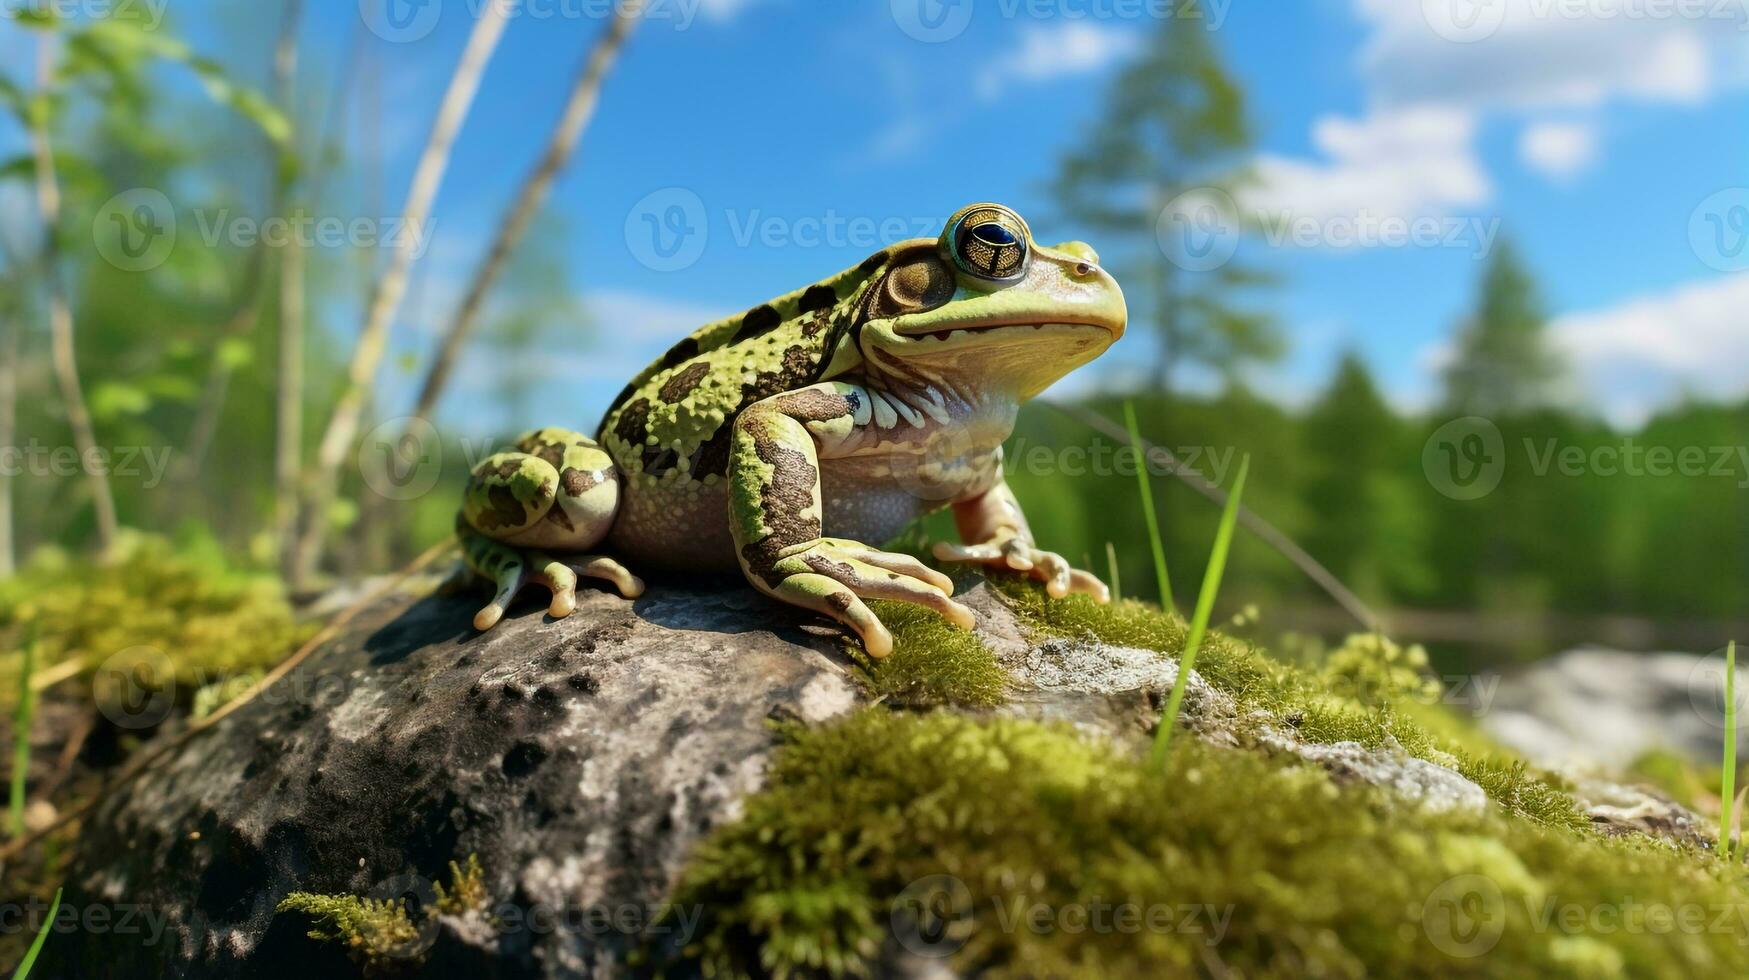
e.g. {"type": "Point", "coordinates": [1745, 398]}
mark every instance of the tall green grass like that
{"type": "Point", "coordinates": [1728, 768]}
{"type": "Point", "coordinates": [1199, 621]}
{"type": "Point", "coordinates": [36, 945]}
{"type": "Point", "coordinates": [1111, 563]}
{"type": "Point", "coordinates": [21, 719]}
{"type": "Point", "coordinates": [1160, 574]}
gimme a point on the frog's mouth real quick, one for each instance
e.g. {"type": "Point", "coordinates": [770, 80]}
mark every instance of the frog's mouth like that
{"type": "Point", "coordinates": [1017, 326]}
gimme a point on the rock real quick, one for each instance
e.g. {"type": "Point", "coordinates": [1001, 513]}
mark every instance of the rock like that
{"type": "Point", "coordinates": [580, 760]}
{"type": "Point", "coordinates": [1603, 709]}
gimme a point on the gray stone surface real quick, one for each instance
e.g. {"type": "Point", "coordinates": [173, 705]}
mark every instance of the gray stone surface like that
{"type": "Point", "coordinates": [579, 759]}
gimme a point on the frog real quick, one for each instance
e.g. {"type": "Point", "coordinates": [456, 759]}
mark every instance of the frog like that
{"type": "Point", "coordinates": [786, 442]}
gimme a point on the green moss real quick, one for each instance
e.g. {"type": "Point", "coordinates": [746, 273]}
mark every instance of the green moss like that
{"type": "Point", "coordinates": [932, 662]}
{"type": "Point", "coordinates": [378, 932]}
{"type": "Point", "coordinates": [161, 615]}
{"type": "Point", "coordinates": [375, 931]}
{"type": "Point", "coordinates": [467, 889]}
{"type": "Point", "coordinates": [1369, 690]}
{"type": "Point", "coordinates": [1250, 866]}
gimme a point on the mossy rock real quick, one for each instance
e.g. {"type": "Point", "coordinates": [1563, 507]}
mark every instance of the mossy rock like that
{"type": "Point", "coordinates": [705, 781]}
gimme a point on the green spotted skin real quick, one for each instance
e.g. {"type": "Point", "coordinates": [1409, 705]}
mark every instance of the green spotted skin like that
{"type": "Point", "coordinates": [780, 440]}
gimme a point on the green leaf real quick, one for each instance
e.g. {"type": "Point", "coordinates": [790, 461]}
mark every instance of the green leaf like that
{"type": "Point", "coordinates": [235, 352]}
{"type": "Point", "coordinates": [113, 399]}
{"type": "Point", "coordinates": [36, 946]}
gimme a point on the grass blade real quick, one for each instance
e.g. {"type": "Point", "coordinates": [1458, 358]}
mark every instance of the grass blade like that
{"type": "Point", "coordinates": [1111, 562]}
{"type": "Point", "coordinates": [1728, 769]}
{"type": "Point", "coordinates": [1160, 575]}
{"type": "Point", "coordinates": [1199, 621]}
{"type": "Point", "coordinates": [21, 720]}
{"type": "Point", "coordinates": [36, 946]}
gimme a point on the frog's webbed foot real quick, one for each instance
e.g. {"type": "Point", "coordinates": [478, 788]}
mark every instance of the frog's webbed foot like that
{"type": "Point", "coordinates": [1013, 552]}
{"type": "Point", "coordinates": [833, 576]}
{"type": "Point", "coordinates": [516, 569]}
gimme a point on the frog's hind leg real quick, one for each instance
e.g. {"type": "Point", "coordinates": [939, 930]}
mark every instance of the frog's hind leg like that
{"type": "Point", "coordinates": [525, 511]}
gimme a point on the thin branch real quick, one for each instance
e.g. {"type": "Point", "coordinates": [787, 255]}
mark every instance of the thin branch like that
{"type": "Point", "coordinates": [391, 287]}
{"type": "Point", "coordinates": [66, 363]}
{"type": "Point", "coordinates": [1268, 532]}
{"type": "Point", "coordinates": [580, 108]}
{"type": "Point", "coordinates": [247, 312]}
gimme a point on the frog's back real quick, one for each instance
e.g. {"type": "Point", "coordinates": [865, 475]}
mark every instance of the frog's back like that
{"type": "Point", "coordinates": [671, 426]}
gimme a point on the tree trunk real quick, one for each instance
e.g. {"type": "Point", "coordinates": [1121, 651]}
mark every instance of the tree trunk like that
{"type": "Point", "coordinates": [66, 362]}
{"type": "Point", "coordinates": [585, 95]}
{"type": "Point", "coordinates": [391, 287]}
{"type": "Point", "coordinates": [288, 412]}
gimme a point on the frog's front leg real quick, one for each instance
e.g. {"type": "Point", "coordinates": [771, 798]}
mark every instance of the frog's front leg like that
{"type": "Point", "coordinates": [996, 534]}
{"type": "Point", "coordinates": [775, 515]}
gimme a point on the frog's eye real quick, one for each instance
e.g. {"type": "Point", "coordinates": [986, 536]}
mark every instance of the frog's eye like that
{"type": "Point", "coordinates": [989, 241]}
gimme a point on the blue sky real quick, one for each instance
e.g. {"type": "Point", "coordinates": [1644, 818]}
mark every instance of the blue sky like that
{"type": "Point", "coordinates": [1606, 137]}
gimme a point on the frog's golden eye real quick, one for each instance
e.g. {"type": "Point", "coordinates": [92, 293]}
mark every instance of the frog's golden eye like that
{"type": "Point", "coordinates": [988, 241]}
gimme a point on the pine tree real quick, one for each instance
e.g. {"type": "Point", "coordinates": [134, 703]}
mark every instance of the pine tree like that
{"type": "Point", "coordinates": [1174, 121]}
{"type": "Point", "coordinates": [1502, 365]}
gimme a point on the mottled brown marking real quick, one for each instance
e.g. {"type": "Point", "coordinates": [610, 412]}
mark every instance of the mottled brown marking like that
{"type": "Point", "coordinates": [556, 515]}
{"type": "Point", "coordinates": [817, 298]}
{"type": "Point", "coordinates": [579, 482]}
{"type": "Point", "coordinates": [841, 601]}
{"type": "Point", "coordinates": [712, 455]}
{"type": "Point", "coordinates": [784, 500]}
{"type": "Point", "coordinates": [503, 510]}
{"type": "Point", "coordinates": [759, 321]}
{"type": "Point", "coordinates": [676, 388]}
{"type": "Point", "coordinates": [633, 426]}
{"type": "Point", "coordinates": [814, 405]}
{"type": "Point", "coordinates": [680, 353]}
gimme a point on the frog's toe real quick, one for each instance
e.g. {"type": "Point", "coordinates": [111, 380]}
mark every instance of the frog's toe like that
{"type": "Point", "coordinates": [609, 570]}
{"type": "Point", "coordinates": [829, 597]}
{"type": "Point", "coordinates": [509, 578]}
{"type": "Point", "coordinates": [560, 579]}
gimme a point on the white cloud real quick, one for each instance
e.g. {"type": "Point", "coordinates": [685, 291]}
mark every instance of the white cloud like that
{"type": "Point", "coordinates": [1539, 54]}
{"type": "Point", "coordinates": [1400, 163]}
{"type": "Point", "coordinates": [1067, 48]}
{"type": "Point", "coordinates": [1558, 149]}
{"type": "Point", "coordinates": [1645, 353]}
